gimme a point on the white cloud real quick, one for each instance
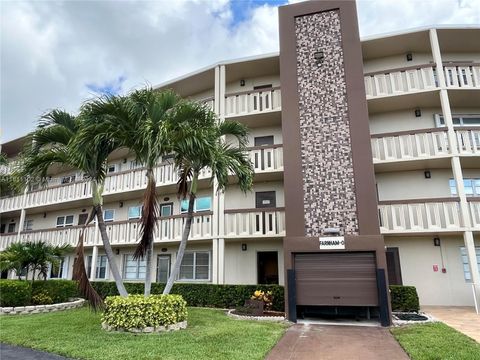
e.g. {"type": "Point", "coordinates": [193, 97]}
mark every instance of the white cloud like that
{"type": "Point", "coordinates": [51, 51]}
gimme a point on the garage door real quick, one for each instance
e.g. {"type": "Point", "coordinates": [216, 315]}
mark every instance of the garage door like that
{"type": "Point", "coordinates": [343, 279]}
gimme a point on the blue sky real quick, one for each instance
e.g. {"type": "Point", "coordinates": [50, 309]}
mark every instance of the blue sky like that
{"type": "Point", "coordinates": [242, 9]}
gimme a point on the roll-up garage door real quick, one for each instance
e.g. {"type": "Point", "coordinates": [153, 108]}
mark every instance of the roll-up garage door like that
{"type": "Point", "coordinates": [341, 279]}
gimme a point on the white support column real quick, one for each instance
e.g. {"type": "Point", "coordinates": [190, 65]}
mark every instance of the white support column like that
{"type": "Point", "coordinates": [221, 261]}
{"type": "Point", "coordinates": [93, 268]}
{"type": "Point", "coordinates": [215, 261]}
{"type": "Point", "coordinates": [457, 170]}
{"type": "Point", "coordinates": [21, 223]}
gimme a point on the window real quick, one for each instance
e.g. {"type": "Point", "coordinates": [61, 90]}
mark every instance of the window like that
{"type": "Point", "coordinates": [2, 228]}
{"type": "Point", "coordinates": [28, 225]}
{"type": "Point", "coordinates": [459, 120]}
{"type": "Point", "coordinates": [134, 269]}
{"type": "Point", "coordinates": [112, 168]}
{"type": "Point", "coordinates": [11, 227]}
{"type": "Point", "coordinates": [63, 221]}
{"type": "Point", "coordinates": [135, 212]}
{"type": "Point", "coordinates": [101, 268]}
{"type": "Point", "coordinates": [472, 187]}
{"type": "Point", "coordinates": [263, 140]}
{"type": "Point", "coordinates": [82, 219]}
{"type": "Point", "coordinates": [68, 179]}
{"type": "Point", "coordinates": [108, 215]}
{"type": "Point", "coordinates": [195, 266]}
{"type": "Point", "coordinates": [166, 209]}
{"type": "Point", "coordinates": [466, 267]}
{"type": "Point", "coordinates": [201, 204]}
{"type": "Point", "coordinates": [60, 270]}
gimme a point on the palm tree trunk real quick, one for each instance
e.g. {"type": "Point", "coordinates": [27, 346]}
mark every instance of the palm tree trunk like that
{"type": "Point", "coordinates": [149, 221]}
{"type": "Point", "coordinates": [148, 271]}
{"type": "Point", "coordinates": [109, 252]}
{"type": "Point", "coordinates": [185, 234]}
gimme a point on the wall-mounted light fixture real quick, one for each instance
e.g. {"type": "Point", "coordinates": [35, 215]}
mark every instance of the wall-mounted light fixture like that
{"type": "Point", "coordinates": [331, 231]}
{"type": "Point", "coordinates": [319, 56]}
{"type": "Point", "coordinates": [418, 112]}
{"type": "Point", "coordinates": [44, 214]}
{"type": "Point", "coordinates": [164, 249]}
{"type": "Point", "coordinates": [83, 210]}
{"type": "Point", "coordinates": [244, 247]}
{"type": "Point", "coordinates": [117, 251]}
{"type": "Point", "coordinates": [166, 198]}
{"type": "Point", "coordinates": [125, 161]}
{"type": "Point", "coordinates": [436, 241]}
{"type": "Point", "coordinates": [428, 174]}
{"type": "Point", "coordinates": [242, 82]}
{"type": "Point", "coordinates": [121, 204]}
{"type": "Point", "coordinates": [409, 57]}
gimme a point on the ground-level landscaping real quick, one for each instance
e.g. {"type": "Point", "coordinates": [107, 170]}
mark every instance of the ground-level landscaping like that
{"type": "Point", "coordinates": [78, 334]}
{"type": "Point", "coordinates": [436, 341]}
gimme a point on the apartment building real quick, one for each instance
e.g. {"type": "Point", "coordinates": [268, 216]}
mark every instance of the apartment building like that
{"type": "Point", "coordinates": [381, 174]}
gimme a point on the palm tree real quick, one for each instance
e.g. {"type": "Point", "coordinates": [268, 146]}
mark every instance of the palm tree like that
{"type": "Point", "coordinates": [139, 122]}
{"type": "Point", "coordinates": [197, 141]}
{"type": "Point", "coordinates": [15, 258]}
{"type": "Point", "coordinates": [55, 141]}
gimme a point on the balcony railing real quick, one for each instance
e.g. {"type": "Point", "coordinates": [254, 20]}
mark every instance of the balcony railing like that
{"type": "Point", "coordinates": [267, 158]}
{"type": "Point", "coordinates": [120, 233]}
{"type": "Point", "coordinates": [468, 140]}
{"type": "Point", "coordinates": [255, 222]}
{"type": "Point", "coordinates": [462, 75]}
{"type": "Point", "coordinates": [474, 204]}
{"type": "Point", "coordinates": [400, 81]}
{"type": "Point", "coordinates": [409, 145]}
{"type": "Point", "coordinates": [253, 102]}
{"type": "Point", "coordinates": [423, 215]}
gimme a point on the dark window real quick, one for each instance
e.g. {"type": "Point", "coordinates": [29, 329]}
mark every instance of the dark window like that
{"type": "Point", "coordinates": [265, 199]}
{"type": "Point", "coordinates": [11, 227]}
{"type": "Point", "coordinates": [260, 87]}
{"type": "Point", "coordinates": [263, 140]}
{"type": "Point", "coordinates": [82, 219]}
{"type": "Point", "coordinates": [2, 228]}
{"type": "Point", "coordinates": [393, 266]}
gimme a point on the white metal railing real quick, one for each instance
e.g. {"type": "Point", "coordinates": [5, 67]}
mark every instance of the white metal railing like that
{"type": "Point", "coordinates": [462, 75]}
{"type": "Point", "coordinates": [255, 222]}
{"type": "Point", "coordinates": [119, 233]}
{"type": "Point", "coordinates": [400, 81]}
{"type": "Point", "coordinates": [432, 215]}
{"type": "Point", "coordinates": [11, 203]}
{"type": "Point", "coordinates": [420, 144]}
{"type": "Point", "coordinates": [468, 140]}
{"type": "Point", "coordinates": [267, 158]}
{"type": "Point", "coordinates": [475, 213]}
{"type": "Point", "coordinates": [254, 101]}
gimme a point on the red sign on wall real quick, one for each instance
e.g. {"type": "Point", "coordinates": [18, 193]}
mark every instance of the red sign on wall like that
{"type": "Point", "coordinates": [435, 268]}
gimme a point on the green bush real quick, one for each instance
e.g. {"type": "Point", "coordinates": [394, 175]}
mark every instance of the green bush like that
{"type": "Point", "coordinates": [137, 312]}
{"type": "Point", "coordinates": [15, 293]}
{"type": "Point", "coordinates": [58, 290]}
{"type": "Point", "coordinates": [41, 298]}
{"type": "Point", "coordinates": [404, 298]}
{"type": "Point", "coordinates": [208, 295]}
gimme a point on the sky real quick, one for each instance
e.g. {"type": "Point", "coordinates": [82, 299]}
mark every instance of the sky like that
{"type": "Point", "coordinates": [57, 54]}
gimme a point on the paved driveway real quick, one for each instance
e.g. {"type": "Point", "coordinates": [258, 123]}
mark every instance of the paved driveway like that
{"type": "Point", "coordinates": [311, 342]}
{"type": "Point", "coordinates": [8, 352]}
{"type": "Point", "coordinates": [462, 318]}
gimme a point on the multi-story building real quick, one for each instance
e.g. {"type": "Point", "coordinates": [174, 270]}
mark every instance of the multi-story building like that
{"type": "Point", "coordinates": [422, 92]}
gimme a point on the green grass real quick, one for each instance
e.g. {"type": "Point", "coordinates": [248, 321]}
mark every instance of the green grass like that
{"type": "Point", "coordinates": [78, 334]}
{"type": "Point", "coordinates": [436, 341]}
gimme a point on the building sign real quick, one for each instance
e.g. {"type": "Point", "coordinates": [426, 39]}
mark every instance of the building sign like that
{"type": "Point", "coordinates": [332, 243]}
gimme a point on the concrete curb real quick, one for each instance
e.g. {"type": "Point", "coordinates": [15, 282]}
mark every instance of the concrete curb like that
{"type": "Point", "coordinates": [37, 309]}
{"type": "Point", "coordinates": [149, 329]}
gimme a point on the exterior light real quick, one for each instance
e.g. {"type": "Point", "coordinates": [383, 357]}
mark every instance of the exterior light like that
{"type": "Point", "coordinates": [427, 174]}
{"type": "Point", "coordinates": [409, 57]}
{"type": "Point", "coordinates": [418, 113]}
{"type": "Point", "coordinates": [164, 249]}
{"type": "Point", "coordinates": [121, 204]}
{"type": "Point", "coordinates": [117, 251]}
{"type": "Point", "coordinates": [242, 82]}
{"type": "Point", "coordinates": [244, 247]}
{"type": "Point", "coordinates": [331, 231]}
{"type": "Point", "coordinates": [319, 56]}
{"type": "Point", "coordinates": [436, 241]}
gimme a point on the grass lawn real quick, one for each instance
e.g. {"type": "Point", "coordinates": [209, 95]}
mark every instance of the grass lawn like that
{"type": "Point", "coordinates": [436, 341]}
{"type": "Point", "coordinates": [78, 334]}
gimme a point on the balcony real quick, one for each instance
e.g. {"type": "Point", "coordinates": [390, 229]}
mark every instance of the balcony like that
{"type": "Point", "coordinates": [420, 216]}
{"type": "Point", "coordinates": [253, 102]}
{"type": "Point", "coordinates": [421, 78]}
{"type": "Point", "coordinates": [120, 232]}
{"type": "Point", "coordinates": [468, 140]}
{"type": "Point", "coordinates": [267, 158]}
{"type": "Point", "coordinates": [245, 223]}
{"type": "Point", "coordinates": [474, 204]}
{"type": "Point", "coordinates": [410, 145]}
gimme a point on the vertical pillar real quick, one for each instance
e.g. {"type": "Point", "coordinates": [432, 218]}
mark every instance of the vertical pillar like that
{"type": "Point", "coordinates": [221, 261]}
{"type": "Point", "coordinates": [93, 268]}
{"type": "Point", "coordinates": [215, 261]}
{"type": "Point", "coordinates": [21, 224]}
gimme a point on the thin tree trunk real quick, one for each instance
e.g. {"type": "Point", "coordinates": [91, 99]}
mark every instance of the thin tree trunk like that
{"type": "Point", "coordinates": [148, 270]}
{"type": "Point", "coordinates": [185, 235]}
{"type": "Point", "coordinates": [149, 222]}
{"type": "Point", "coordinates": [109, 252]}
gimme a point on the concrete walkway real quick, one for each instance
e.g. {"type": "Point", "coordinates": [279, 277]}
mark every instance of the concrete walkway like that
{"type": "Point", "coordinates": [9, 352]}
{"type": "Point", "coordinates": [462, 318]}
{"type": "Point", "coordinates": [311, 342]}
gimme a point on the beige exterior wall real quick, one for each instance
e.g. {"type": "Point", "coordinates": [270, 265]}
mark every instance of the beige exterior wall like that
{"type": "Point", "coordinates": [241, 266]}
{"type": "Point", "coordinates": [413, 184]}
{"type": "Point", "coordinates": [236, 199]}
{"type": "Point", "coordinates": [250, 83]}
{"type": "Point", "coordinates": [418, 255]}
{"type": "Point", "coordinates": [397, 61]}
{"type": "Point", "coordinates": [403, 120]}
{"type": "Point", "coordinates": [463, 56]}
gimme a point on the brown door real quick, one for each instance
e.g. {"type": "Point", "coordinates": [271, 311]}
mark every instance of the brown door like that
{"type": "Point", "coordinates": [393, 266]}
{"type": "Point", "coordinates": [267, 267]}
{"type": "Point", "coordinates": [342, 279]}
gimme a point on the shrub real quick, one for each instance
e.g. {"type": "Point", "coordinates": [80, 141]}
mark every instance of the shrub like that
{"type": "Point", "coordinates": [58, 290]}
{"type": "Point", "coordinates": [41, 298]}
{"type": "Point", "coordinates": [208, 295]}
{"type": "Point", "coordinates": [264, 296]}
{"type": "Point", "coordinates": [404, 298]}
{"type": "Point", "coordinates": [138, 312]}
{"type": "Point", "coordinates": [15, 293]}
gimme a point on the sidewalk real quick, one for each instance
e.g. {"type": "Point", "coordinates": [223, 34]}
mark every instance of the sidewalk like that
{"type": "Point", "coordinates": [461, 318]}
{"type": "Point", "coordinates": [9, 352]}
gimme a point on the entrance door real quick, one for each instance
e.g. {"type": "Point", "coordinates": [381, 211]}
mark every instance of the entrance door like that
{"type": "Point", "coordinates": [163, 268]}
{"type": "Point", "coordinates": [393, 266]}
{"type": "Point", "coordinates": [267, 267]}
{"type": "Point", "coordinates": [343, 279]}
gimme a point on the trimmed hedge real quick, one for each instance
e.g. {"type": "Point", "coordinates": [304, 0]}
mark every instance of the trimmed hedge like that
{"type": "Point", "coordinates": [21, 292]}
{"type": "Point", "coordinates": [138, 312]}
{"type": "Point", "coordinates": [208, 295]}
{"type": "Point", "coordinates": [15, 293]}
{"type": "Point", "coordinates": [404, 298]}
